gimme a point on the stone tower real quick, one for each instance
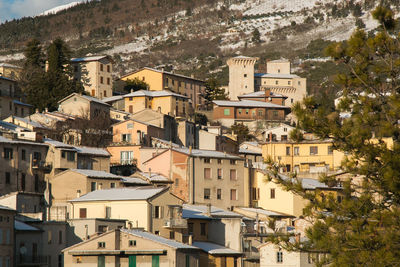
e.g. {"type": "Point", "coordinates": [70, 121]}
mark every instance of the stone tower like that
{"type": "Point", "coordinates": [241, 76]}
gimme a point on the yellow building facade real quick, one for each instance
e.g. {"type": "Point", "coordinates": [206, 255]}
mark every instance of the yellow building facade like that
{"type": "Point", "coordinates": [306, 156]}
{"type": "Point", "coordinates": [159, 80]}
{"type": "Point", "coordinates": [165, 102]}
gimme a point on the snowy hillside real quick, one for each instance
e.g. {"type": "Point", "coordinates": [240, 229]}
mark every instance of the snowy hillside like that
{"type": "Point", "coordinates": [59, 8]}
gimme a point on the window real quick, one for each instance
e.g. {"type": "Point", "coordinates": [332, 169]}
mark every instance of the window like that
{"type": "Point", "coordinates": [101, 244]}
{"type": "Point", "coordinates": [298, 82]}
{"type": "Point", "coordinates": [291, 100]}
{"type": "Point", "coordinates": [105, 93]}
{"type": "Point", "coordinates": [129, 125]}
{"type": "Point", "coordinates": [330, 150]}
{"type": "Point", "coordinates": [233, 194]}
{"type": "Point", "coordinates": [245, 75]}
{"type": "Point", "coordinates": [219, 161]}
{"type": "Point", "coordinates": [276, 82]}
{"type": "Point", "coordinates": [23, 181]}
{"type": "Point", "coordinates": [233, 162]}
{"type": "Point", "coordinates": [233, 175]}
{"type": "Point", "coordinates": [279, 256]}
{"type": "Point", "coordinates": [260, 113]}
{"type": "Point", "coordinates": [108, 82]}
{"type": "Point", "coordinates": [219, 173]}
{"type": "Point", "coordinates": [23, 154]}
{"type": "Point", "coordinates": [60, 239]}
{"type": "Point", "coordinates": [171, 235]}
{"type": "Point", "coordinates": [240, 111]}
{"type": "Point", "coordinates": [92, 186]}
{"type": "Point", "coordinates": [313, 150]}
{"type": "Point", "coordinates": [102, 228]}
{"type": "Point", "coordinates": [49, 237]}
{"type": "Point", "coordinates": [101, 67]}
{"type": "Point", "coordinates": [206, 193]}
{"type": "Point", "coordinates": [190, 228]}
{"type": "Point", "coordinates": [158, 212]}
{"type": "Point", "coordinates": [63, 154]}
{"type": "Point", "coordinates": [70, 156]}
{"type": "Point", "coordinates": [207, 173]}
{"type": "Point", "coordinates": [272, 193]}
{"type": "Point", "coordinates": [203, 228]}
{"type": "Point", "coordinates": [284, 137]}
{"type": "Point", "coordinates": [8, 153]}
{"type": "Point", "coordinates": [36, 183]}
{"type": "Point", "coordinates": [279, 70]}
{"type": "Point", "coordinates": [288, 82]}
{"type": "Point", "coordinates": [296, 150]}
{"type": "Point", "coordinates": [8, 178]}
{"type": "Point", "coordinates": [256, 193]}
{"type": "Point", "coordinates": [227, 112]}
{"type": "Point", "coordinates": [275, 114]}
{"type": "Point", "coordinates": [247, 111]}
{"type": "Point", "coordinates": [207, 160]}
{"type": "Point", "coordinates": [155, 261]}
{"type": "Point", "coordinates": [126, 157]}
{"type": "Point", "coordinates": [108, 212]}
{"type": "Point", "coordinates": [82, 213]}
{"type": "Point", "coordinates": [288, 151]}
{"type": "Point", "coordinates": [101, 79]}
{"type": "Point", "coordinates": [112, 185]}
{"type": "Point", "coordinates": [219, 193]}
{"type": "Point", "coordinates": [132, 243]}
{"type": "Point", "coordinates": [126, 138]}
{"type": "Point", "coordinates": [108, 68]}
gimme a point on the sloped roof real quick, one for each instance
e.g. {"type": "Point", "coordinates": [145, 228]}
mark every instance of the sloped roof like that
{"type": "Point", "coordinates": [154, 177]}
{"type": "Point", "coordinates": [9, 141]}
{"type": "Point", "coordinates": [11, 126]}
{"type": "Point", "coordinates": [265, 212]}
{"type": "Point", "coordinates": [134, 180]}
{"type": "Point", "coordinates": [158, 239]}
{"type": "Point", "coordinates": [92, 151]}
{"type": "Point", "coordinates": [21, 226]}
{"type": "Point", "coordinates": [87, 59]}
{"type": "Point", "coordinates": [57, 144]}
{"type": "Point", "coordinates": [154, 94]}
{"type": "Point", "coordinates": [8, 65]}
{"type": "Point", "coordinates": [89, 98]}
{"type": "Point", "coordinates": [206, 153]}
{"type": "Point", "coordinates": [30, 122]}
{"type": "Point", "coordinates": [21, 103]}
{"type": "Point", "coordinates": [112, 98]}
{"type": "Point", "coordinates": [215, 249]}
{"type": "Point", "coordinates": [162, 71]}
{"type": "Point", "coordinates": [6, 208]}
{"type": "Point", "coordinates": [247, 103]}
{"type": "Point", "coordinates": [7, 79]}
{"type": "Point", "coordinates": [116, 194]}
{"type": "Point", "coordinates": [276, 75]}
{"type": "Point", "coordinates": [261, 94]}
{"type": "Point", "coordinates": [97, 174]}
{"type": "Point", "coordinates": [199, 212]}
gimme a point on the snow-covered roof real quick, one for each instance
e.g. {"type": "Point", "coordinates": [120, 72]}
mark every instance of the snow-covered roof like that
{"type": "Point", "coordinates": [309, 183]}
{"type": "Point", "coordinates": [265, 212]}
{"type": "Point", "coordinates": [8, 65]}
{"type": "Point", "coordinates": [112, 98]}
{"type": "Point", "coordinates": [276, 75]}
{"type": "Point", "coordinates": [248, 151]}
{"type": "Point", "coordinates": [154, 94]}
{"type": "Point", "coordinates": [85, 150]}
{"type": "Point", "coordinates": [200, 212]}
{"type": "Point", "coordinates": [215, 249]}
{"type": "Point", "coordinates": [57, 144]}
{"type": "Point", "coordinates": [29, 122]}
{"type": "Point", "coordinates": [87, 59]}
{"type": "Point", "coordinates": [158, 239]}
{"type": "Point", "coordinates": [11, 126]}
{"type": "Point", "coordinates": [21, 103]}
{"type": "Point", "coordinates": [244, 57]}
{"type": "Point", "coordinates": [134, 180]}
{"type": "Point", "coordinates": [7, 79]}
{"type": "Point", "coordinates": [116, 194]}
{"type": "Point", "coordinates": [206, 153]}
{"type": "Point", "coordinates": [97, 174]}
{"type": "Point", "coordinates": [89, 98]}
{"type": "Point", "coordinates": [21, 226]}
{"type": "Point", "coordinates": [261, 94]}
{"type": "Point", "coordinates": [247, 103]}
{"type": "Point", "coordinates": [9, 141]}
{"type": "Point", "coordinates": [6, 208]}
{"type": "Point", "coordinates": [163, 71]}
{"type": "Point", "coordinates": [154, 177]}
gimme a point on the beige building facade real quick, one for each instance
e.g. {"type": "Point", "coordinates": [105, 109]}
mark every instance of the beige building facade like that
{"type": "Point", "coordinates": [7, 243]}
{"type": "Point", "coordinates": [95, 73]}
{"type": "Point", "coordinates": [241, 76]}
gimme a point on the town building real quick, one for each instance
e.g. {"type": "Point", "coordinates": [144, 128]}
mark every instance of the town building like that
{"type": "Point", "coordinates": [131, 247]}
{"type": "Point", "coordinates": [241, 76]}
{"type": "Point", "coordinates": [10, 71]}
{"type": "Point", "coordinates": [203, 176]}
{"type": "Point", "coordinates": [247, 112]}
{"type": "Point", "coordinates": [151, 206]}
{"type": "Point", "coordinates": [264, 96]}
{"type": "Point", "coordinates": [166, 102]}
{"type": "Point", "coordinates": [211, 138]}
{"type": "Point", "coordinates": [280, 80]}
{"type": "Point", "coordinates": [280, 132]}
{"type": "Point", "coordinates": [84, 106]}
{"type": "Point", "coordinates": [7, 244]}
{"type": "Point", "coordinates": [159, 80]}
{"type": "Point", "coordinates": [307, 156]}
{"type": "Point", "coordinates": [10, 103]}
{"type": "Point", "coordinates": [95, 73]}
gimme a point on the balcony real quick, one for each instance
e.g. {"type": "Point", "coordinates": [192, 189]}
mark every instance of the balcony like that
{"type": "Point", "coordinates": [41, 165]}
{"type": "Point", "coordinates": [175, 223]}
{"type": "Point", "coordinates": [128, 162]}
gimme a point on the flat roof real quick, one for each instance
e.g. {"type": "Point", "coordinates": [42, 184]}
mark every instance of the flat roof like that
{"type": "Point", "coordinates": [215, 249]}
{"type": "Point", "coordinates": [116, 194]}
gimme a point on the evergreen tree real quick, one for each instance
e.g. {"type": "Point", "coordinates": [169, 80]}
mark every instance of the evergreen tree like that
{"type": "Point", "coordinates": [241, 131]}
{"type": "Point", "coordinates": [135, 85]}
{"type": "Point", "coordinates": [214, 91]}
{"type": "Point", "coordinates": [363, 228]}
{"type": "Point", "coordinates": [256, 36]}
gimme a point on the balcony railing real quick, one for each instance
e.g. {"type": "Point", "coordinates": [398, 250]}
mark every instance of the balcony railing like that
{"type": "Point", "coordinates": [41, 165]}
{"type": "Point", "coordinates": [175, 223]}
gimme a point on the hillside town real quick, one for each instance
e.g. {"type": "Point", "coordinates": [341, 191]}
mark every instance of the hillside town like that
{"type": "Point", "coordinates": [163, 190]}
{"type": "Point", "coordinates": [270, 161]}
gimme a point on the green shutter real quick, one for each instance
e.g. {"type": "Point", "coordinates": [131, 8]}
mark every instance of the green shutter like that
{"type": "Point", "coordinates": [155, 261]}
{"type": "Point", "coordinates": [101, 261]}
{"type": "Point", "coordinates": [187, 260]}
{"type": "Point", "coordinates": [227, 112]}
{"type": "Point", "coordinates": [132, 261]}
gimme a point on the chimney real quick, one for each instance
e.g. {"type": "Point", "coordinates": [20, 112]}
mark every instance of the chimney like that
{"type": "Point", "coordinates": [190, 239]}
{"type": "Point", "coordinates": [46, 110]}
{"type": "Point", "coordinates": [36, 110]}
{"type": "Point", "coordinates": [208, 213]}
{"type": "Point", "coordinates": [78, 193]}
{"type": "Point", "coordinates": [131, 90]}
